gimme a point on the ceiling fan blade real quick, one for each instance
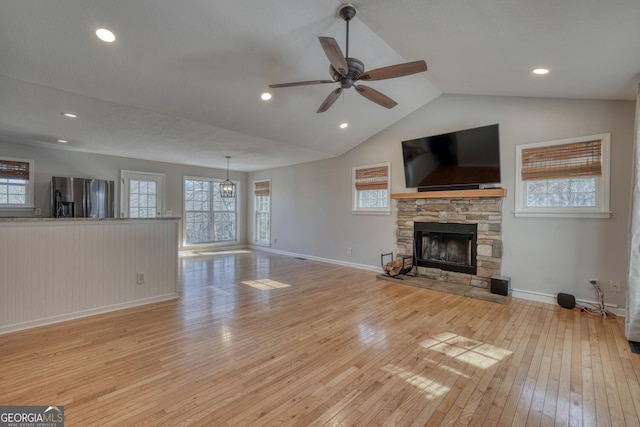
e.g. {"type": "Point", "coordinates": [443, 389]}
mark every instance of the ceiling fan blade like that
{"type": "Point", "coordinates": [310, 82]}
{"type": "Point", "coordinates": [333, 96]}
{"type": "Point", "coordinates": [392, 71]}
{"type": "Point", "coordinates": [375, 96]}
{"type": "Point", "coordinates": [335, 55]}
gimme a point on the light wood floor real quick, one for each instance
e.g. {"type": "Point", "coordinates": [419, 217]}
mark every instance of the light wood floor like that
{"type": "Point", "coordinates": [262, 339]}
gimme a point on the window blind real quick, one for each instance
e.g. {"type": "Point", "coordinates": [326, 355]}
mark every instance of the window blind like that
{"type": "Point", "coordinates": [562, 161]}
{"type": "Point", "coordinates": [10, 169]}
{"type": "Point", "coordinates": [374, 178]}
{"type": "Point", "coordinates": [262, 188]}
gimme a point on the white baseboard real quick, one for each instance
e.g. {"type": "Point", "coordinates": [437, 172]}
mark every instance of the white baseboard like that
{"type": "Point", "coordinates": [516, 293]}
{"type": "Point", "coordinates": [84, 313]}
{"type": "Point", "coordinates": [316, 258]}
{"type": "Point", "coordinates": [551, 299]}
{"type": "Point", "coordinates": [210, 248]}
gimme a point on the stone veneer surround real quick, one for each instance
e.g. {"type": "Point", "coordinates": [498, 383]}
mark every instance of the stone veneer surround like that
{"type": "Point", "coordinates": [485, 211]}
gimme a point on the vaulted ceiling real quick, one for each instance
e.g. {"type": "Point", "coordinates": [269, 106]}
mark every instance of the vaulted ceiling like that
{"type": "Point", "coordinates": [182, 82]}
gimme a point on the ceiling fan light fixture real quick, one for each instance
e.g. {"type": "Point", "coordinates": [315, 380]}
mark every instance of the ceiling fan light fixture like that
{"type": "Point", "coordinates": [344, 125]}
{"type": "Point", "coordinates": [347, 70]}
{"type": "Point", "coordinates": [227, 188]}
{"type": "Point", "coordinates": [266, 96]}
{"type": "Point", "coordinates": [541, 71]}
{"type": "Point", "coordinates": [70, 115]}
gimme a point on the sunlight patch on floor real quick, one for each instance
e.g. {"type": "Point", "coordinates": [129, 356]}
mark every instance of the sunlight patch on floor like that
{"type": "Point", "coordinates": [467, 350]}
{"type": "Point", "coordinates": [430, 388]}
{"type": "Point", "coordinates": [265, 284]}
{"type": "Point", "coordinates": [447, 368]}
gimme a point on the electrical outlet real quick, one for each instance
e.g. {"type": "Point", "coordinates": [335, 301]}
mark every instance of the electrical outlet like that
{"type": "Point", "coordinates": [348, 251]}
{"type": "Point", "coordinates": [615, 285]}
{"type": "Point", "coordinates": [593, 282]}
{"type": "Point", "coordinates": [140, 278]}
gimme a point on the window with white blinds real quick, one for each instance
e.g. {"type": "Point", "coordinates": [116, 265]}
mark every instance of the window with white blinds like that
{"type": "Point", "coordinates": [371, 189]}
{"type": "Point", "coordinates": [568, 177]}
{"type": "Point", "coordinates": [16, 183]}
{"type": "Point", "coordinates": [262, 194]}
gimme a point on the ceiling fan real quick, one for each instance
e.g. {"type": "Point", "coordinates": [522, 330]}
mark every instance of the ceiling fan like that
{"type": "Point", "coordinates": [347, 71]}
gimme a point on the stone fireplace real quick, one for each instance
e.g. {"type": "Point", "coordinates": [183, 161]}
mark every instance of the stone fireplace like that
{"type": "Point", "coordinates": [463, 242]}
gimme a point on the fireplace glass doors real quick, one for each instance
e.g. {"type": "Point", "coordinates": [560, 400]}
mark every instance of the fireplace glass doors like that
{"type": "Point", "coordinates": [449, 247]}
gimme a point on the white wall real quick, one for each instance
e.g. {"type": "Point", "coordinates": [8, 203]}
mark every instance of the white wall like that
{"type": "Point", "coordinates": [311, 203]}
{"type": "Point", "coordinates": [61, 162]}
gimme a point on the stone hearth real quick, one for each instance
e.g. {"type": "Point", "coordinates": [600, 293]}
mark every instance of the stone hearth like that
{"type": "Point", "coordinates": [486, 212]}
{"type": "Point", "coordinates": [451, 288]}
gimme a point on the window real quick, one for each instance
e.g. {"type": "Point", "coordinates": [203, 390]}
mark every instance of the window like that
{"type": "Point", "coordinates": [208, 217]}
{"type": "Point", "coordinates": [142, 194]}
{"type": "Point", "coordinates": [564, 178]}
{"type": "Point", "coordinates": [262, 191]}
{"type": "Point", "coordinates": [16, 183]}
{"type": "Point", "coordinates": [371, 189]}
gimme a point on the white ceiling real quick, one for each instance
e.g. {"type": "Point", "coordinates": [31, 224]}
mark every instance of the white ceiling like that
{"type": "Point", "coordinates": [183, 79]}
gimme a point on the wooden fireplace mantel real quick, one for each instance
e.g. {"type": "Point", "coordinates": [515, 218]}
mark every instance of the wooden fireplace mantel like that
{"type": "Point", "coordinates": [453, 194]}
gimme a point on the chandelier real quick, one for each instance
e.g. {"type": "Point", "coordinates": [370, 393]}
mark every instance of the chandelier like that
{"type": "Point", "coordinates": [227, 188]}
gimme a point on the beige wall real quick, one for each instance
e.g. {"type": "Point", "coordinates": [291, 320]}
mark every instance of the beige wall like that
{"type": "Point", "coordinates": [60, 162]}
{"type": "Point", "coordinates": [311, 203]}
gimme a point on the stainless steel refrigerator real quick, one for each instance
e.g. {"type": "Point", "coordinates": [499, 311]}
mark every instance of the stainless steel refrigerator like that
{"type": "Point", "coordinates": [81, 197]}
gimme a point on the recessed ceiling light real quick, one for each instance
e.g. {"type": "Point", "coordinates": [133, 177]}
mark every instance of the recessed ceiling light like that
{"type": "Point", "coordinates": [344, 125]}
{"type": "Point", "coordinates": [62, 141]}
{"type": "Point", "coordinates": [105, 35]}
{"type": "Point", "coordinates": [541, 71]}
{"type": "Point", "coordinates": [70, 115]}
{"type": "Point", "coordinates": [265, 96]}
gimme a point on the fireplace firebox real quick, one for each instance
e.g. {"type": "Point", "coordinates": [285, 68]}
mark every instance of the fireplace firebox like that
{"type": "Point", "coordinates": [448, 246]}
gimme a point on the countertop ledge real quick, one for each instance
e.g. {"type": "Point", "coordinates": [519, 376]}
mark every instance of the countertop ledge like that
{"type": "Point", "coordinates": [14, 219]}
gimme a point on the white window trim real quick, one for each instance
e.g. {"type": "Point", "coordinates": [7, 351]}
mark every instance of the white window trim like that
{"type": "Point", "coordinates": [184, 215]}
{"type": "Point", "coordinates": [255, 215]}
{"type": "Point", "coordinates": [602, 209]}
{"type": "Point", "coordinates": [30, 204]}
{"type": "Point", "coordinates": [354, 193]}
{"type": "Point", "coordinates": [124, 190]}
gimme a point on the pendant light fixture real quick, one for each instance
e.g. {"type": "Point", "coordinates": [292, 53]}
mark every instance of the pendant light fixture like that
{"type": "Point", "coordinates": [227, 188]}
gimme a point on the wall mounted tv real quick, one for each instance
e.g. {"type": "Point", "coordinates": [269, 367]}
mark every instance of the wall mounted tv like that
{"type": "Point", "coordinates": [464, 159]}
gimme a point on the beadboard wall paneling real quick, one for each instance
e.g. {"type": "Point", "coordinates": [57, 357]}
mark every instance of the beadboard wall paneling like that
{"type": "Point", "coordinates": [57, 270]}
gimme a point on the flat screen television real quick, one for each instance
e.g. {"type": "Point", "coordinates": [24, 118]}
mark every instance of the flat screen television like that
{"type": "Point", "coordinates": [467, 158]}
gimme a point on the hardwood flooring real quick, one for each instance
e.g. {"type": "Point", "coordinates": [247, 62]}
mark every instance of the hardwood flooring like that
{"type": "Point", "coordinates": [262, 339]}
